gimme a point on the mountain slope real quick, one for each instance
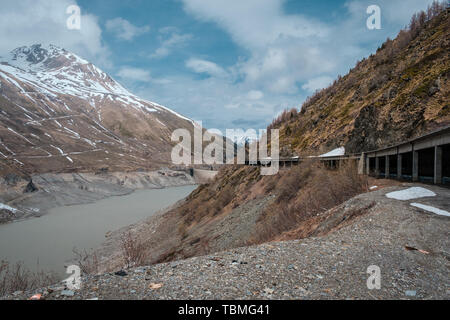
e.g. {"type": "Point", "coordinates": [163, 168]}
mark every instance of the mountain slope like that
{"type": "Point", "coordinates": [398, 93]}
{"type": "Point", "coordinates": [61, 113]}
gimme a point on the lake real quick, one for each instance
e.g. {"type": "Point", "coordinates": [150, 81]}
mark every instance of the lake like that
{"type": "Point", "coordinates": [47, 242]}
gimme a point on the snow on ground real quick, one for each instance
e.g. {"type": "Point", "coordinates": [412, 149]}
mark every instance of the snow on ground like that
{"type": "Point", "coordinates": [21, 136]}
{"type": "Point", "coordinates": [411, 193]}
{"type": "Point", "coordinates": [431, 209]}
{"type": "Point", "coordinates": [6, 207]}
{"type": "Point", "coordinates": [59, 149]}
{"type": "Point", "coordinates": [89, 142]}
{"type": "Point", "coordinates": [77, 136]}
{"type": "Point", "coordinates": [334, 153]}
{"type": "Point", "coordinates": [160, 122]}
{"type": "Point", "coordinates": [6, 147]}
{"type": "Point", "coordinates": [19, 162]}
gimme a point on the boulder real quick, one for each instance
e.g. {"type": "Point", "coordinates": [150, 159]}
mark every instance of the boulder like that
{"type": "Point", "coordinates": [30, 188]}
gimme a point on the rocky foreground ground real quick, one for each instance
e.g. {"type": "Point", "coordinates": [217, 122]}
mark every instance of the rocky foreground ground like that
{"type": "Point", "coordinates": [409, 245]}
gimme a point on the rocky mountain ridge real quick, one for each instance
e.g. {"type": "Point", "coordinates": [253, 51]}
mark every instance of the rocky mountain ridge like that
{"type": "Point", "coordinates": [61, 113]}
{"type": "Point", "coordinates": [398, 93]}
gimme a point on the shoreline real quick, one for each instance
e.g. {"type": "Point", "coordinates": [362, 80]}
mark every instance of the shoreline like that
{"type": "Point", "coordinates": [71, 189]}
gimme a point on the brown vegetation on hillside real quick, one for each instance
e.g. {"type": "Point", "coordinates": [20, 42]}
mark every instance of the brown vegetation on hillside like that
{"type": "Point", "coordinates": [398, 93]}
{"type": "Point", "coordinates": [242, 207]}
{"type": "Point", "coordinates": [304, 192]}
{"type": "Point", "coordinates": [18, 278]}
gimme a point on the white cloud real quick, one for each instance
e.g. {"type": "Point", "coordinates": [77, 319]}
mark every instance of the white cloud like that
{"type": "Point", "coordinates": [317, 83]}
{"type": "Point", "coordinates": [255, 95]}
{"type": "Point", "coordinates": [135, 74]}
{"type": "Point", "coordinates": [29, 22]}
{"type": "Point", "coordinates": [254, 23]}
{"type": "Point", "coordinates": [218, 102]}
{"type": "Point", "coordinates": [124, 30]}
{"type": "Point", "coordinates": [170, 40]}
{"type": "Point", "coordinates": [287, 56]}
{"type": "Point", "coordinates": [293, 51]}
{"type": "Point", "coordinates": [284, 49]}
{"type": "Point", "coordinates": [204, 66]}
{"type": "Point", "coordinates": [232, 106]}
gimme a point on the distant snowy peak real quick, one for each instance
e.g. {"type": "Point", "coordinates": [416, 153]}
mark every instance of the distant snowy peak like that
{"type": "Point", "coordinates": [60, 71]}
{"type": "Point", "coordinates": [59, 112]}
{"type": "Point", "coordinates": [244, 140]}
{"type": "Point", "coordinates": [53, 71]}
{"type": "Point", "coordinates": [36, 55]}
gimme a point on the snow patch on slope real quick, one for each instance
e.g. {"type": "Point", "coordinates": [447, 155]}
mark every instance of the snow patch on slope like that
{"type": "Point", "coordinates": [431, 209]}
{"type": "Point", "coordinates": [51, 71]}
{"type": "Point", "coordinates": [334, 153]}
{"type": "Point", "coordinates": [411, 193]}
{"type": "Point", "coordinates": [6, 207]}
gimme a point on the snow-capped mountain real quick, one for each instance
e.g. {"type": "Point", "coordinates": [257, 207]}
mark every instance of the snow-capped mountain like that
{"type": "Point", "coordinates": [244, 140]}
{"type": "Point", "coordinates": [60, 112]}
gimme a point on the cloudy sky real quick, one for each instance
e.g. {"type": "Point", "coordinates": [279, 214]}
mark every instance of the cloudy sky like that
{"type": "Point", "coordinates": [228, 63]}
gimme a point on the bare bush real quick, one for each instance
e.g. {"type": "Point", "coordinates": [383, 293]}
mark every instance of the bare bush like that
{"type": "Point", "coordinates": [19, 278]}
{"type": "Point", "coordinates": [304, 192]}
{"type": "Point", "coordinates": [86, 261]}
{"type": "Point", "coordinates": [284, 117]}
{"type": "Point", "coordinates": [293, 182]}
{"type": "Point", "coordinates": [271, 183]}
{"type": "Point", "coordinates": [224, 198]}
{"type": "Point", "coordinates": [134, 253]}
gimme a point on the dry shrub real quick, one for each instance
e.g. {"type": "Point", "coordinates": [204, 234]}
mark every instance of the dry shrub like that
{"type": "Point", "coordinates": [294, 180]}
{"type": "Point", "coordinates": [306, 191]}
{"type": "Point", "coordinates": [210, 200]}
{"type": "Point", "coordinates": [224, 198]}
{"type": "Point", "coordinates": [284, 117]}
{"type": "Point", "coordinates": [134, 253]}
{"type": "Point", "coordinates": [86, 261]}
{"type": "Point", "coordinates": [271, 183]}
{"type": "Point", "coordinates": [18, 278]}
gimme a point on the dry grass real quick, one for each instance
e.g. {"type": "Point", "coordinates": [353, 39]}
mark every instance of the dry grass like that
{"type": "Point", "coordinates": [305, 191]}
{"type": "Point", "coordinates": [87, 261]}
{"type": "Point", "coordinates": [290, 198]}
{"type": "Point", "coordinates": [134, 252]}
{"type": "Point", "coordinates": [210, 200]}
{"type": "Point", "coordinates": [18, 278]}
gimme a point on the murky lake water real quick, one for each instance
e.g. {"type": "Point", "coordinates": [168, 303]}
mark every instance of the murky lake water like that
{"type": "Point", "coordinates": [49, 240]}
